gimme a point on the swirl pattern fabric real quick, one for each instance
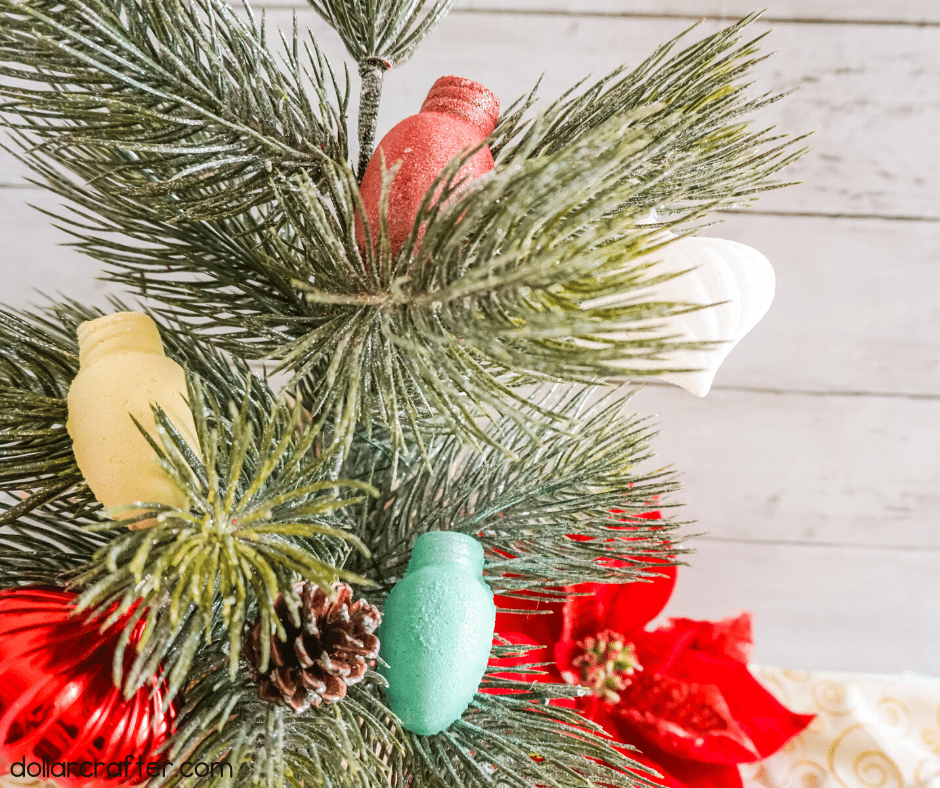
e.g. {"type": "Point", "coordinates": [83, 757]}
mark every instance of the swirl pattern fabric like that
{"type": "Point", "coordinates": [870, 731]}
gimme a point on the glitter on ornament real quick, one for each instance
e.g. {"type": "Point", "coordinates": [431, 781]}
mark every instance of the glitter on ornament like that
{"type": "Point", "coordinates": [58, 703]}
{"type": "Point", "coordinates": [457, 114]}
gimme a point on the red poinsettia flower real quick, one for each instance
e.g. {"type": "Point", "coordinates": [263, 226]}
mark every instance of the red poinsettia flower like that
{"type": "Point", "coordinates": [681, 693]}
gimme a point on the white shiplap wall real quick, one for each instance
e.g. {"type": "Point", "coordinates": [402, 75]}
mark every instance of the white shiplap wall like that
{"type": "Point", "coordinates": [814, 463]}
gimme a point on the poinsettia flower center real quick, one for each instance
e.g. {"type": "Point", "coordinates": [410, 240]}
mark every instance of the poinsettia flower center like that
{"type": "Point", "coordinates": [607, 664]}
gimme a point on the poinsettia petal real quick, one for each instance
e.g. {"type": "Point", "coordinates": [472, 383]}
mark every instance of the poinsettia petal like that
{"type": "Point", "coordinates": [730, 637]}
{"type": "Point", "coordinates": [765, 721]}
{"type": "Point", "coordinates": [541, 623]}
{"type": "Point", "coordinates": [583, 612]}
{"type": "Point", "coordinates": [692, 774]}
{"type": "Point", "coordinates": [622, 607]}
{"type": "Point", "coordinates": [674, 772]}
{"type": "Point", "coordinates": [631, 606]}
{"type": "Point", "coordinates": [658, 650]}
{"type": "Point", "coordinates": [599, 711]}
{"type": "Point", "coordinates": [685, 719]}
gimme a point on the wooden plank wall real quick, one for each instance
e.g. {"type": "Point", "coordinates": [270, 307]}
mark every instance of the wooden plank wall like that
{"type": "Point", "coordinates": [814, 463]}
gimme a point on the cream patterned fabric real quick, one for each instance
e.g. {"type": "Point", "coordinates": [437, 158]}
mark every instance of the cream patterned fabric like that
{"type": "Point", "coordinates": [870, 732]}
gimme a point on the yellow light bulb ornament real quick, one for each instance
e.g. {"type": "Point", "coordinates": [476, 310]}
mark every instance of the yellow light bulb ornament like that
{"type": "Point", "coordinates": [122, 370]}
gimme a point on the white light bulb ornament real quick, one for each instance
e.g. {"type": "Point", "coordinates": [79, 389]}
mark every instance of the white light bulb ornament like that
{"type": "Point", "coordinates": [736, 279]}
{"type": "Point", "coordinates": [122, 370]}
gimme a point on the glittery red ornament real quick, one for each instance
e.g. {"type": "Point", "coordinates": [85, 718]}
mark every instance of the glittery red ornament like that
{"type": "Point", "coordinates": [58, 706]}
{"type": "Point", "coordinates": [457, 113]}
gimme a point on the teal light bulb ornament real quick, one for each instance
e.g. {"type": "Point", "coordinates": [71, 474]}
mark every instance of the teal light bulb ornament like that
{"type": "Point", "coordinates": [436, 632]}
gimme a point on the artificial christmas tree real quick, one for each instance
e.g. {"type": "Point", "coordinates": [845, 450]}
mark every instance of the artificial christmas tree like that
{"type": "Point", "coordinates": [213, 180]}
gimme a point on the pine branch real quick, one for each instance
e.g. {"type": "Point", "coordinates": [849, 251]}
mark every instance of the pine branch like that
{"type": "Point", "coordinates": [518, 740]}
{"type": "Point", "coordinates": [257, 744]}
{"type": "Point", "coordinates": [262, 501]}
{"type": "Point", "coordinates": [702, 84]}
{"type": "Point", "coordinates": [176, 106]}
{"type": "Point", "coordinates": [260, 513]}
{"type": "Point", "coordinates": [524, 508]}
{"type": "Point", "coordinates": [566, 485]}
{"type": "Point", "coordinates": [509, 739]}
{"type": "Point", "coordinates": [38, 361]}
{"type": "Point", "coordinates": [532, 282]}
{"type": "Point", "coordinates": [371, 71]}
{"type": "Point", "coordinates": [516, 280]}
{"type": "Point", "coordinates": [45, 547]}
{"type": "Point", "coordinates": [379, 35]}
{"type": "Point", "coordinates": [390, 30]}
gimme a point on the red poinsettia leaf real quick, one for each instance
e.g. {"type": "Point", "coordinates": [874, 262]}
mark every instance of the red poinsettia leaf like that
{"type": "Point", "coordinates": [657, 651]}
{"type": "Point", "coordinates": [674, 772]}
{"type": "Point", "coordinates": [599, 711]}
{"type": "Point", "coordinates": [765, 721]}
{"type": "Point", "coordinates": [541, 624]}
{"type": "Point", "coordinates": [585, 611]}
{"type": "Point", "coordinates": [730, 637]}
{"type": "Point", "coordinates": [622, 607]}
{"type": "Point", "coordinates": [682, 773]}
{"type": "Point", "coordinates": [685, 719]}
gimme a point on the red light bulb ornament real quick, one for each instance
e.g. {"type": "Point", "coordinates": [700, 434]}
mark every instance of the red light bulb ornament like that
{"type": "Point", "coordinates": [457, 114]}
{"type": "Point", "coordinates": [59, 708]}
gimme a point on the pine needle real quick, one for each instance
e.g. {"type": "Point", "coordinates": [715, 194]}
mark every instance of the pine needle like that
{"type": "Point", "coordinates": [504, 286]}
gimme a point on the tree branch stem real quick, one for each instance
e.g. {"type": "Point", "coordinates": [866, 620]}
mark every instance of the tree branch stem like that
{"type": "Point", "coordinates": [371, 70]}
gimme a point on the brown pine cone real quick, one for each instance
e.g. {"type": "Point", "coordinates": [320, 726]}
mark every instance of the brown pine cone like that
{"type": "Point", "coordinates": [330, 651]}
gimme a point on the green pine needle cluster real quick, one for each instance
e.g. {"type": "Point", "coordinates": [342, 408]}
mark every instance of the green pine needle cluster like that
{"type": "Point", "coordinates": [258, 516]}
{"type": "Point", "coordinates": [389, 30]}
{"type": "Point", "coordinates": [38, 360]}
{"type": "Point", "coordinates": [177, 109]}
{"type": "Point", "coordinates": [336, 746]}
{"type": "Point", "coordinates": [715, 161]}
{"type": "Point", "coordinates": [446, 331]}
{"type": "Point", "coordinates": [418, 391]}
{"type": "Point", "coordinates": [522, 500]}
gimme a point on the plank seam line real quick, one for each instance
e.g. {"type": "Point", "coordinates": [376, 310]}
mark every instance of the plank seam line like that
{"type": "Point", "coordinates": [650, 15]}
{"type": "Point", "coordinates": [809, 392]}
{"type": "Point", "coordinates": [818, 215]}
{"type": "Point", "coordinates": [812, 393]}
{"type": "Point", "coordinates": [805, 543]}
{"type": "Point", "coordinates": [691, 17]}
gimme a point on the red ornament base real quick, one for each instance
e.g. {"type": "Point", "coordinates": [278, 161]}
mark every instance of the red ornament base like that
{"type": "Point", "coordinates": [61, 717]}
